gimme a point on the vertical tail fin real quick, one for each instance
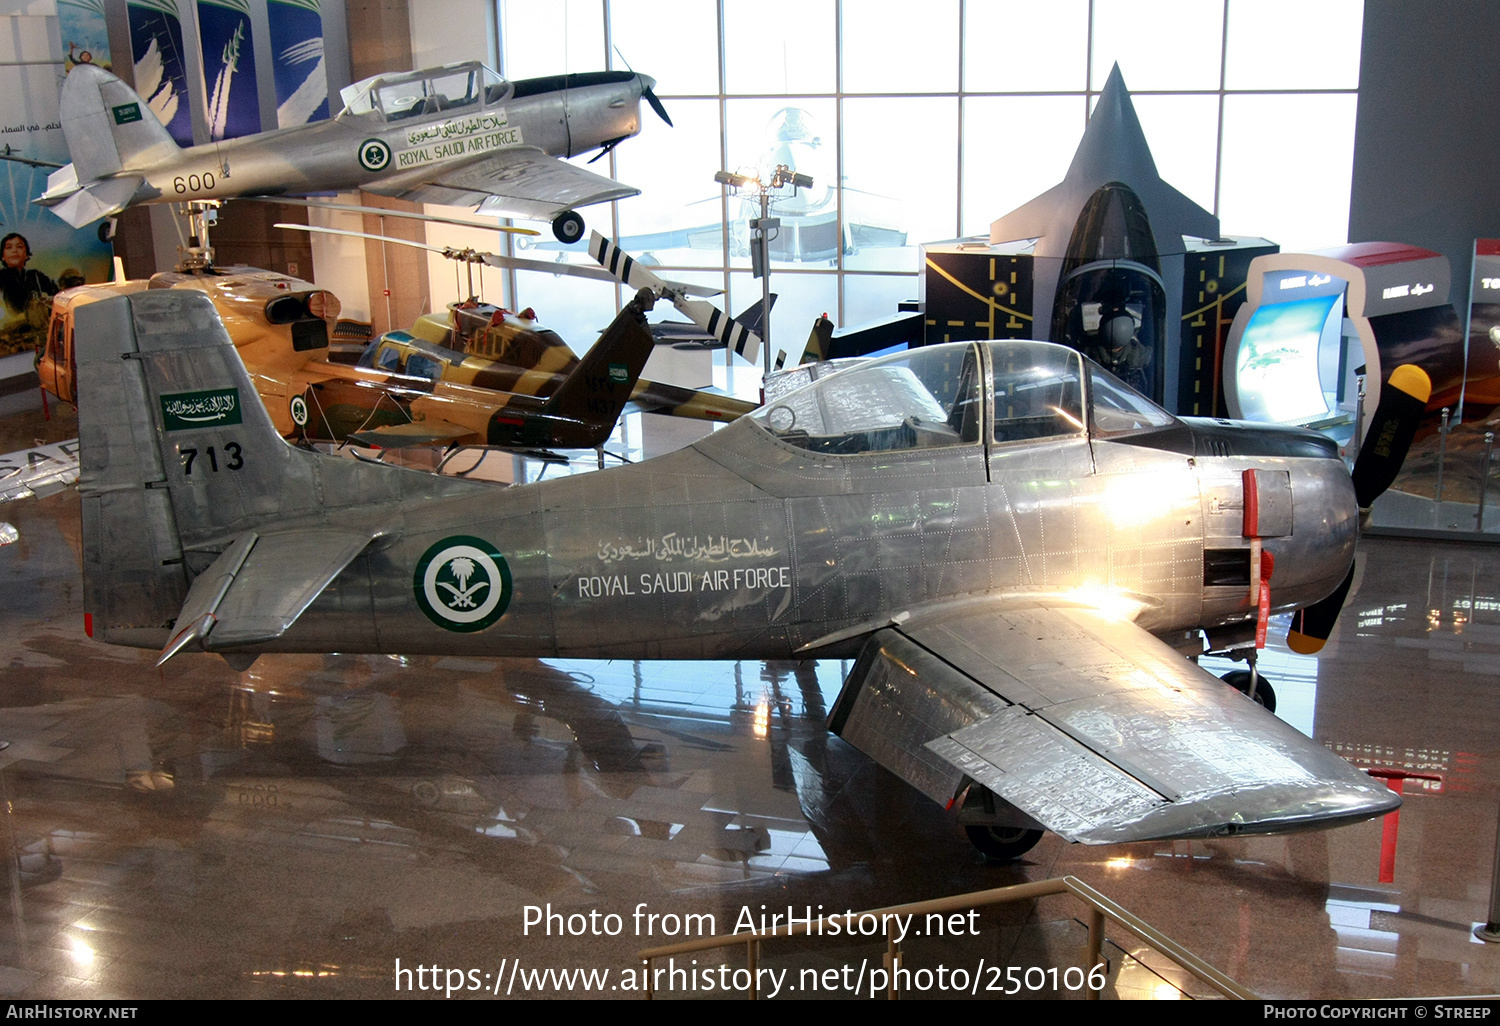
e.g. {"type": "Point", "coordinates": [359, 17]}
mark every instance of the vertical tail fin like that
{"type": "Point", "coordinates": [819, 341]}
{"type": "Point", "coordinates": [754, 316]}
{"type": "Point", "coordinates": [179, 459]}
{"type": "Point", "coordinates": [108, 127]}
{"type": "Point", "coordinates": [597, 390]}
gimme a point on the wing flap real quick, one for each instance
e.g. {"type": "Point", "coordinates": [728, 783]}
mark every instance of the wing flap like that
{"type": "Point", "coordinates": [1091, 726]}
{"type": "Point", "coordinates": [898, 697]}
{"type": "Point", "coordinates": [1044, 773]}
{"type": "Point", "coordinates": [258, 587]}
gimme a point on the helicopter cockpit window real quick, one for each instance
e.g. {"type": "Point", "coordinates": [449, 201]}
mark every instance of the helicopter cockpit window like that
{"type": "Point", "coordinates": [925, 398]}
{"type": "Point", "coordinates": [419, 366]}
{"type": "Point", "coordinates": [1116, 408]}
{"type": "Point", "coordinates": [1038, 391]}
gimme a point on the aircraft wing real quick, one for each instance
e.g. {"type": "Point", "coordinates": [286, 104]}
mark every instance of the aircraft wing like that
{"type": "Point", "coordinates": [519, 182]}
{"type": "Point", "coordinates": [1089, 725]}
{"type": "Point", "coordinates": [260, 585]}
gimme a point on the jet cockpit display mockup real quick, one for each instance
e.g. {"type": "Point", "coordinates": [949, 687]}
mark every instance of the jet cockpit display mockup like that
{"type": "Point", "coordinates": [1112, 261]}
{"type": "Point", "coordinates": [1310, 321]}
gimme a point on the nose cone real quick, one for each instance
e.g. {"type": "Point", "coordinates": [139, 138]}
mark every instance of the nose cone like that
{"type": "Point", "coordinates": [647, 83]}
{"type": "Point", "coordinates": [1315, 558]}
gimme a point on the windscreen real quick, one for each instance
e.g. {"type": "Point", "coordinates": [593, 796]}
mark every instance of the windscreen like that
{"type": "Point", "coordinates": [923, 398]}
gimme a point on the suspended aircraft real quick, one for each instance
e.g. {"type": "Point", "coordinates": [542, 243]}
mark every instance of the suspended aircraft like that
{"type": "Point", "coordinates": [1014, 547]}
{"type": "Point", "coordinates": [486, 377]}
{"type": "Point", "coordinates": [458, 135]}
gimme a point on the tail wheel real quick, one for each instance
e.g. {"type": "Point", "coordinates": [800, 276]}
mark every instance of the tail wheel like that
{"type": "Point", "coordinates": [1265, 695]}
{"type": "Point", "coordinates": [568, 227]}
{"type": "Point", "coordinates": [1003, 844]}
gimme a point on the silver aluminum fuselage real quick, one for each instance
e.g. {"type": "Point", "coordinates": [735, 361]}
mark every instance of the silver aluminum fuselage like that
{"type": "Point", "coordinates": [325, 156]}
{"type": "Point", "coordinates": [743, 546]}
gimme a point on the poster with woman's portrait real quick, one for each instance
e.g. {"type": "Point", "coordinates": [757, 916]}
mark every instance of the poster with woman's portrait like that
{"type": "Point", "coordinates": [39, 253]}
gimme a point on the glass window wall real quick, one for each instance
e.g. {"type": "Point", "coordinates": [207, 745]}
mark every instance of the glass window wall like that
{"type": "Point", "coordinates": [921, 121]}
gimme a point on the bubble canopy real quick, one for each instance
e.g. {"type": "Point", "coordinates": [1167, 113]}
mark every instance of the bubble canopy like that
{"type": "Point", "coordinates": [935, 396]}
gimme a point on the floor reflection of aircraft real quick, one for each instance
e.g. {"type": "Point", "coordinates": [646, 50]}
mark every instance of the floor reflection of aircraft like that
{"type": "Point", "coordinates": [999, 533]}
{"type": "Point", "coordinates": [40, 471]}
{"type": "Point", "coordinates": [458, 135]}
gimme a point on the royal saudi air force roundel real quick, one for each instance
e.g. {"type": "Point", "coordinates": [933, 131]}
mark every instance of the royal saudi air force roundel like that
{"type": "Point", "coordinates": [374, 155]}
{"type": "Point", "coordinates": [462, 583]}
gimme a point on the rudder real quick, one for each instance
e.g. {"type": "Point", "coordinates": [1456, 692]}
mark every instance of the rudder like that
{"type": "Point", "coordinates": [596, 391]}
{"type": "Point", "coordinates": [179, 458]}
{"type": "Point", "coordinates": [108, 127]}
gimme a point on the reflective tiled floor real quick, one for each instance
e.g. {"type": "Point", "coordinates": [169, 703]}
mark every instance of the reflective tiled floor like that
{"type": "Point", "coordinates": [298, 828]}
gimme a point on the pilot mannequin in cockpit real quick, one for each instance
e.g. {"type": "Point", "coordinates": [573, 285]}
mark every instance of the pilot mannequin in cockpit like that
{"type": "Point", "coordinates": [1115, 345]}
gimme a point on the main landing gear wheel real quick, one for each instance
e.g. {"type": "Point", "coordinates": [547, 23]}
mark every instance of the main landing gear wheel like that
{"type": "Point", "coordinates": [1003, 844]}
{"type": "Point", "coordinates": [568, 226]}
{"type": "Point", "coordinates": [1265, 695]}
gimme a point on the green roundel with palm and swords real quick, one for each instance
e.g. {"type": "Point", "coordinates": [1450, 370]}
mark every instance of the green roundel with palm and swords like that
{"type": "Point", "coordinates": [462, 583]}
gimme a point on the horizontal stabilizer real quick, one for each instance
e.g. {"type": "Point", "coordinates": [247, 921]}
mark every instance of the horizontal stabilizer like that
{"type": "Point", "coordinates": [696, 403]}
{"type": "Point", "coordinates": [258, 587]}
{"type": "Point", "coordinates": [101, 199]}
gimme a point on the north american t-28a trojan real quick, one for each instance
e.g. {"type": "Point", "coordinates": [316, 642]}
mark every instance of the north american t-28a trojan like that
{"type": "Point", "coordinates": [458, 135]}
{"type": "Point", "coordinates": [1009, 542]}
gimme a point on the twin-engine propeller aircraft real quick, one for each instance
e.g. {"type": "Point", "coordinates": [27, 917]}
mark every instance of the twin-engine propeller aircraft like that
{"type": "Point", "coordinates": [999, 533]}
{"type": "Point", "coordinates": [457, 135]}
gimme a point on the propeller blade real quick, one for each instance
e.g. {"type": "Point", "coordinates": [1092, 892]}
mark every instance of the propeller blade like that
{"type": "Point", "coordinates": [1312, 626]}
{"type": "Point", "coordinates": [604, 152]}
{"type": "Point", "coordinates": [1403, 402]}
{"type": "Point", "coordinates": [661, 111]}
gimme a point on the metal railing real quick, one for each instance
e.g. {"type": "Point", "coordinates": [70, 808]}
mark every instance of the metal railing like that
{"type": "Point", "coordinates": [1100, 908]}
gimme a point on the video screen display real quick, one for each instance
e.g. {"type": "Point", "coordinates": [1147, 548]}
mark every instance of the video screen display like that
{"type": "Point", "coordinates": [1277, 366]}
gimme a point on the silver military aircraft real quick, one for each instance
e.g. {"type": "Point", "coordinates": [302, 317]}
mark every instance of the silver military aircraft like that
{"type": "Point", "coordinates": [458, 135]}
{"type": "Point", "coordinates": [1014, 547]}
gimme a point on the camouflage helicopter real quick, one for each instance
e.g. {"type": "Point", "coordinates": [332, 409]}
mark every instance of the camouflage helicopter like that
{"type": "Point", "coordinates": [411, 388]}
